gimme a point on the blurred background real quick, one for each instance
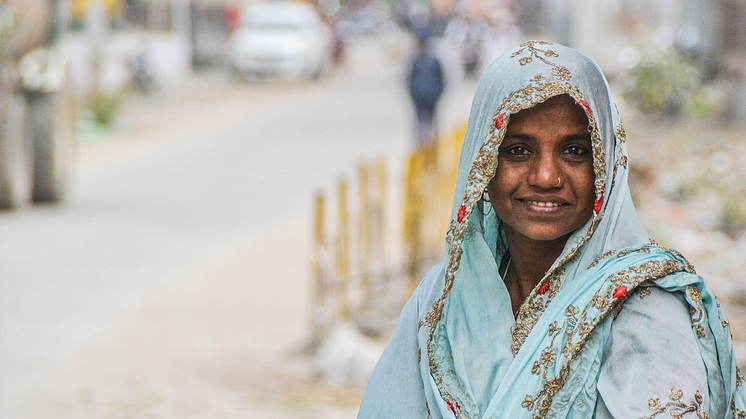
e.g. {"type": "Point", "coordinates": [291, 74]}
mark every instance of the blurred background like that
{"type": "Point", "coordinates": [216, 208]}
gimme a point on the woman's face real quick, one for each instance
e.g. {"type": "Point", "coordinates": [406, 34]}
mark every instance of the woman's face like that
{"type": "Point", "coordinates": [543, 188]}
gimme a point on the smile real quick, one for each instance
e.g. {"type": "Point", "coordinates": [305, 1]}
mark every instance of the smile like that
{"type": "Point", "coordinates": [544, 204]}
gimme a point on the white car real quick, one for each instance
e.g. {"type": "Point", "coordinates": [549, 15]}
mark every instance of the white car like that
{"type": "Point", "coordinates": [282, 40]}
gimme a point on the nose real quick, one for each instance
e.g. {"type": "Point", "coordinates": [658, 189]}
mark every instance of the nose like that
{"type": "Point", "coordinates": [545, 171]}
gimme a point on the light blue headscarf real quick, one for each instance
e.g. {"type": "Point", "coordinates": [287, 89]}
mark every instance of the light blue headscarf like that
{"type": "Point", "coordinates": [458, 351]}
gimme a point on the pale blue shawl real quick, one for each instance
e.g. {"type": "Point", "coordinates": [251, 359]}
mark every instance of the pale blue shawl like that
{"type": "Point", "coordinates": [619, 326]}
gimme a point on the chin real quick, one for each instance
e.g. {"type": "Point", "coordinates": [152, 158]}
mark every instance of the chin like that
{"type": "Point", "coordinates": [547, 235]}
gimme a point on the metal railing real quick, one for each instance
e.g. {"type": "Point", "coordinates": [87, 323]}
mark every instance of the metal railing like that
{"type": "Point", "coordinates": [354, 280]}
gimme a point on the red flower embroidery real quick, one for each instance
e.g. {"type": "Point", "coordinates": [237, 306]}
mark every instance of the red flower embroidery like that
{"type": "Point", "coordinates": [499, 121]}
{"type": "Point", "coordinates": [620, 291]}
{"type": "Point", "coordinates": [453, 405]}
{"type": "Point", "coordinates": [461, 213]}
{"type": "Point", "coordinates": [598, 204]}
{"type": "Point", "coordinates": [544, 288]}
{"type": "Point", "coordinates": [586, 106]}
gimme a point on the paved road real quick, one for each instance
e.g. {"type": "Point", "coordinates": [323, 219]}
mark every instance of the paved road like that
{"type": "Point", "coordinates": [175, 281]}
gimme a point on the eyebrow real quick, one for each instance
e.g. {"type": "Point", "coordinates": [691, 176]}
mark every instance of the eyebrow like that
{"type": "Point", "coordinates": [570, 137]}
{"type": "Point", "coordinates": [581, 137]}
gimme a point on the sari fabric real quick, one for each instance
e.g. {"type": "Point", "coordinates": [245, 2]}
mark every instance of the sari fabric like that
{"type": "Point", "coordinates": [618, 327]}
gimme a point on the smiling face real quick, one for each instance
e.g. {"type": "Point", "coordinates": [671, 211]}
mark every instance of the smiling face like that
{"type": "Point", "coordinates": [543, 188]}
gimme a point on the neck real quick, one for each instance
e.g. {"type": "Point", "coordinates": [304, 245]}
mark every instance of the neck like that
{"type": "Point", "coordinates": [531, 259]}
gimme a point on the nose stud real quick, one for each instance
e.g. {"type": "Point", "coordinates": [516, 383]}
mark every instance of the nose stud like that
{"type": "Point", "coordinates": [558, 181]}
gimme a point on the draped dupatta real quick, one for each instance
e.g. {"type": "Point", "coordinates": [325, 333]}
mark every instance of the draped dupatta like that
{"type": "Point", "coordinates": [473, 358]}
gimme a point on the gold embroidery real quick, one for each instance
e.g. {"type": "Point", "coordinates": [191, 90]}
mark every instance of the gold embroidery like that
{"type": "Point", "coordinates": [700, 331]}
{"type": "Point", "coordinates": [620, 134]}
{"type": "Point", "coordinates": [676, 407]}
{"type": "Point", "coordinates": [740, 379]}
{"type": "Point", "coordinates": [602, 257]}
{"type": "Point", "coordinates": [736, 412]}
{"type": "Point", "coordinates": [626, 252]}
{"type": "Point", "coordinates": [693, 293]}
{"type": "Point", "coordinates": [696, 310]}
{"type": "Point", "coordinates": [675, 253]}
{"type": "Point", "coordinates": [578, 326]}
{"type": "Point", "coordinates": [725, 323]}
{"type": "Point", "coordinates": [643, 292]}
{"type": "Point", "coordinates": [562, 73]}
{"type": "Point", "coordinates": [621, 138]}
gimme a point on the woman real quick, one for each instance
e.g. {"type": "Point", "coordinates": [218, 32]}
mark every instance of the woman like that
{"type": "Point", "coordinates": [553, 301]}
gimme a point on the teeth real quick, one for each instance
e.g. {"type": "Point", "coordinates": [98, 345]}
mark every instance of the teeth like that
{"type": "Point", "coordinates": [544, 204]}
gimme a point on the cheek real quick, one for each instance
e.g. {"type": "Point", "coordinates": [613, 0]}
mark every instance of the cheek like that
{"type": "Point", "coordinates": [500, 189]}
{"type": "Point", "coordinates": [497, 186]}
{"type": "Point", "coordinates": [587, 185]}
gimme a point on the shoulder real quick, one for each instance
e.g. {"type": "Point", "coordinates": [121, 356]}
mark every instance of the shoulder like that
{"type": "Point", "coordinates": [651, 357]}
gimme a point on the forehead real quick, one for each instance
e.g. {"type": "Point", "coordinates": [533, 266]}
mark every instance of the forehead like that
{"type": "Point", "coordinates": [559, 113]}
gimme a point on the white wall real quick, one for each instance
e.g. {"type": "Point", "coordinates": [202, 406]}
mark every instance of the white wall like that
{"type": "Point", "coordinates": [168, 56]}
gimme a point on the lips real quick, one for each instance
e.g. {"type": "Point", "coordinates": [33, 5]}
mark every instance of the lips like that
{"type": "Point", "coordinates": [543, 203]}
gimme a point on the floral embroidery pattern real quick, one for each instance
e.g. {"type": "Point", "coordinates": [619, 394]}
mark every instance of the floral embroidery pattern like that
{"type": "Point", "coordinates": [675, 253]}
{"type": "Point", "coordinates": [696, 310]}
{"type": "Point", "coordinates": [578, 326]}
{"type": "Point", "coordinates": [620, 291]}
{"type": "Point", "coordinates": [547, 359]}
{"type": "Point", "coordinates": [499, 121]}
{"type": "Point", "coordinates": [740, 379]}
{"type": "Point", "coordinates": [643, 292]}
{"type": "Point", "coordinates": [737, 413]}
{"type": "Point", "coordinates": [533, 308]}
{"type": "Point", "coordinates": [598, 204]}
{"type": "Point", "coordinates": [602, 257]}
{"type": "Point", "coordinates": [562, 73]}
{"type": "Point", "coordinates": [676, 408]}
{"type": "Point", "coordinates": [621, 160]}
{"type": "Point", "coordinates": [625, 252]}
{"type": "Point", "coordinates": [621, 138]}
{"type": "Point", "coordinates": [461, 213]}
{"type": "Point", "coordinates": [622, 253]}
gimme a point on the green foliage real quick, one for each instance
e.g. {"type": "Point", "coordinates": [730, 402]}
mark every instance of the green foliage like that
{"type": "Point", "coordinates": [7, 24]}
{"type": "Point", "coordinates": [733, 216]}
{"type": "Point", "coordinates": [665, 86]}
{"type": "Point", "coordinates": [104, 106]}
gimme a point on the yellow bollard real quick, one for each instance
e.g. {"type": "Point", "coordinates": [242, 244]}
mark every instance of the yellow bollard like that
{"type": "Point", "coordinates": [380, 208]}
{"type": "Point", "coordinates": [364, 233]}
{"type": "Point", "coordinates": [318, 269]}
{"type": "Point", "coordinates": [413, 215]}
{"type": "Point", "coordinates": [343, 266]}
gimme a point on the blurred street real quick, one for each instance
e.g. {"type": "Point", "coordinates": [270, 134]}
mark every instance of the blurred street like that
{"type": "Point", "coordinates": [175, 280]}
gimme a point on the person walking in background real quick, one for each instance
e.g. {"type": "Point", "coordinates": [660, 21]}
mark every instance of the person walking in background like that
{"type": "Point", "coordinates": [426, 82]}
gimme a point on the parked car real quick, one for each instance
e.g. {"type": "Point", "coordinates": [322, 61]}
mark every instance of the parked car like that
{"type": "Point", "coordinates": [282, 40]}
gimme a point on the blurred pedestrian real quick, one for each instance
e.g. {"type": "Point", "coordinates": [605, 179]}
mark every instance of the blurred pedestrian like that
{"type": "Point", "coordinates": [426, 82]}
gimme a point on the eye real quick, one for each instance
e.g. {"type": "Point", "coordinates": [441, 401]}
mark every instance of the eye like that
{"type": "Point", "coordinates": [576, 150]}
{"type": "Point", "coordinates": [517, 151]}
